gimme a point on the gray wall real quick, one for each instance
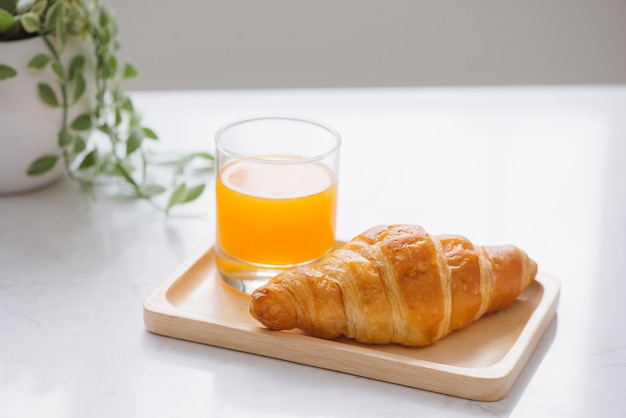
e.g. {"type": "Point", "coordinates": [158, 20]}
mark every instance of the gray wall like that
{"type": "Point", "coordinates": [214, 44]}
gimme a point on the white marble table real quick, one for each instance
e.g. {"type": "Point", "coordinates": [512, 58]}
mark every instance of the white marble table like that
{"type": "Point", "coordinates": [539, 167]}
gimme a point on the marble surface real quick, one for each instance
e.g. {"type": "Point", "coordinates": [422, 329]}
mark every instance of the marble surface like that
{"type": "Point", "coordinates": [538, 167]}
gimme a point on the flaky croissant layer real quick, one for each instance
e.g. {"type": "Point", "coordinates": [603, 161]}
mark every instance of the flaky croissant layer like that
{"type": "Point", "coordinates": [395, 284]}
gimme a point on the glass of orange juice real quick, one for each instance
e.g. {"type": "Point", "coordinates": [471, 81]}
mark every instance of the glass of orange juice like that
{"type": "Point", "coordinates": [276, 196]}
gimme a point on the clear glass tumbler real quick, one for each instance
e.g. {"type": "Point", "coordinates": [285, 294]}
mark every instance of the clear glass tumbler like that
{"type": "Point", "coordinates": [276, 197]}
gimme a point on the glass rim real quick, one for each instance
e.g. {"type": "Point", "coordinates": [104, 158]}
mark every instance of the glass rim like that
{"type": "Point", "coordinates": [220, 146]}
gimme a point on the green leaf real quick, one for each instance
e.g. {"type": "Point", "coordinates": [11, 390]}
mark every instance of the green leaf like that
{"type": "Point", "coordinates": [42, 165]}
{"type": "Point", "coordinates": [53, 15]}
{"type": "Point", "coordinates": [105, 18]}
{"type": "Point", "coordinates": [89, 160]}
{"type": "Point", "coordinates": [7, 21]}
{"type": "Point", "coordinates": [182, 194]}
{"type": "Point", "coordinates": [39, 7]}
{"type": "Point", "coordinates": [127, 104]}
{"type": "Point", "coordinates": [79, 87]}
{"type": "Point", "coordinates": [7, 72]}
{"type": "Point", "coordinates": [47, 95]}
{"type": "Point", "coordinates": [64, 138]}
{"type": "Point", "coordinates": [79, 144]}
{"type": "Point", "coordinates": [130, 71]}
{"type": "Point", "coordinates": [194, 193]}
{"type": "Point", "coordinates": [106, 129]}
{"type": "Point", "coordinates": [109, 68]}
{"type": "Point", "coordinates": [61, 32]}
{"type": "Point", "coordinates": [30, 22]}
{"type": "Point", "coordinates": [104, 34]}
{"type": "Point", "coordinates": [118, 117]}
{"type": "Point", "coordinates": [59, 71]}
{"type": "Point", "coordinates": [39, 61]}
{"type": "Point", "coordinates": [149, 133]}
{"type": "Point", "coordinates": [178, 196]}
{"type": "Point", "coordinates": [81, 122]}
{"type": "Point", "coordinates": [119, 169]}
{"type": "Point", "coordinates": [76, 67]}
{"type": "Point", "coordinates": [134, 142]}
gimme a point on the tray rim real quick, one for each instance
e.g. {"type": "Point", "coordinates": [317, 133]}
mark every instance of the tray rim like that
{"type": "Point", "coordinates": [160, 315]}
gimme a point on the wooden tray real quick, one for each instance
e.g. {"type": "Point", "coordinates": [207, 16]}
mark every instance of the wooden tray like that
{"type": "Point", "coordinates": [480, 362]}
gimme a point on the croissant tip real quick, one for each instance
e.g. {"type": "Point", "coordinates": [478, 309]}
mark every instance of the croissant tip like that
{"type": "Point", "coordinates": [271, 309]}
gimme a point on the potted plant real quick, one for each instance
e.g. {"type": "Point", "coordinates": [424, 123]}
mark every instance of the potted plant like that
{"type": "Point", "coordinates": [68, 73]}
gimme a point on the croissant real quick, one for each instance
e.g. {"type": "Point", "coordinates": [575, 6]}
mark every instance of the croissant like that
{"type": "Point", "coordinates": [395, 284]}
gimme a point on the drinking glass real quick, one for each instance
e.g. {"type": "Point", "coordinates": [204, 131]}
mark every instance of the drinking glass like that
{"type": "Point", "coordinates": [276, 196]}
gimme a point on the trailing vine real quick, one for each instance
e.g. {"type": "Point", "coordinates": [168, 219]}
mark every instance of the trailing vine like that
{"type": "Point", "coordinates": [110, 140]}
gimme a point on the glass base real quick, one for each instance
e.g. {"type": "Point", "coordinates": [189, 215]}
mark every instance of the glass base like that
{"type": "Point", "coordinates": [245, 286]}
{"type": "Point", "coordinates": [244, 276]}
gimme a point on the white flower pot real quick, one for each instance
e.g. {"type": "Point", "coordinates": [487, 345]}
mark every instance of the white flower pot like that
{"type": "Point", "coordinates": [29, 127]}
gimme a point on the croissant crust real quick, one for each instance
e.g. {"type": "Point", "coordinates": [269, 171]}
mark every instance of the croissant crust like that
{"type": "Point", "coordinates": [395, 284]}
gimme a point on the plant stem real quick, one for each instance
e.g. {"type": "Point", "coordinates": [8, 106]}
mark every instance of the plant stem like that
{"type": "Point", "coordinates": [112, 113]}
{"type": "Point", "coordinates": [64, 102]}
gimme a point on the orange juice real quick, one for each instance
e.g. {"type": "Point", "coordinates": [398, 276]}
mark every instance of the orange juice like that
{"type": "Point", "coordinates": [275, 214]}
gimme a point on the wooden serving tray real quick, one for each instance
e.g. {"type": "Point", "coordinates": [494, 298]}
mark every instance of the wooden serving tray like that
{"type": "Point", "coordinates": [480, 362]}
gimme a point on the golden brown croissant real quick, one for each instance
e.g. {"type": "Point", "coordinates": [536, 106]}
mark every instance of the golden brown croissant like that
{"type": "Point", "coordinates": [395, 284]}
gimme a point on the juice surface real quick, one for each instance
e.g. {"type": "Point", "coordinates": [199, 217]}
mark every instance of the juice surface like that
{"type": "Point", "coordinates": [276, 214]}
